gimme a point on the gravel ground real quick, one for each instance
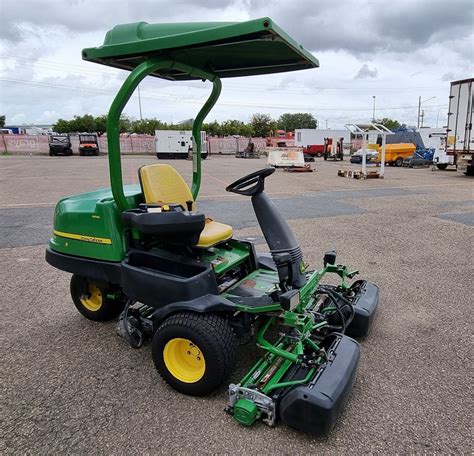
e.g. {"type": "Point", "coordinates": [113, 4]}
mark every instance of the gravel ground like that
{"type": "Point", "coordinates": [72, 386]}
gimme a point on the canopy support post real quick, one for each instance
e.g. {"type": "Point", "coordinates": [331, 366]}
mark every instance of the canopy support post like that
{"type": "Point", "coordinates": [121, 99]}
{"type": "Point", "coordinates": [197, 125]}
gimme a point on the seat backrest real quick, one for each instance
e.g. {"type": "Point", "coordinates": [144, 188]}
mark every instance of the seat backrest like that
{"type": "Point", "coordinates": [163, 184]}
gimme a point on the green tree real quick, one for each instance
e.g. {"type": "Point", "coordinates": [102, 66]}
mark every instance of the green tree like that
{"type": "Point", "coordinates": [62, 126]}
{"type": "Point", "coordinates": [232, 127]}
{"type": "Point", "coordinates": [101, 124]}
{"type": "Point", "coordinates": [147, 126]}
{"type": "Point", "coordinates": [212, 128]}
{"type": "Point", "coordinates": [246, 130]}
{"type": "Point", "coordinates": [391, 124]}
{"type": "Point", "coordinates": [2, 121]}
{"type": "Point", "coordinates": [261, 124]}
{"type": "Point", "coordinates": [125, 124]}
{"type": "Point", "coordinates": [83, 124]}
{"type": "Point", "coordinates": [291, 122]}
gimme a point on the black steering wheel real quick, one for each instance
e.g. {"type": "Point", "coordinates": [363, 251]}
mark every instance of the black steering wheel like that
{"type": "Point", "coordinates": [251, 184]}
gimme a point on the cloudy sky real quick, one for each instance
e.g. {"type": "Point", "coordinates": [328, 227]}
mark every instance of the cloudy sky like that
{"type": "Point", "coordinates": [395, 51]}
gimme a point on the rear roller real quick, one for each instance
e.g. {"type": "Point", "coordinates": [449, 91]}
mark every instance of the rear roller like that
{"type": "Point", "coordinates": [308, 397]}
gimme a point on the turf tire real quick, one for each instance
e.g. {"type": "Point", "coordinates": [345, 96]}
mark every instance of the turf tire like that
{"type": "Point", "coordinates": [109, 308]}
{"type": "Point", "coordinates": [214, 337]}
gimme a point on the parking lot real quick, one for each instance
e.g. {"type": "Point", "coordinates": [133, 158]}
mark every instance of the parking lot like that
{"type": "Point", "coordinates": [72, 386]}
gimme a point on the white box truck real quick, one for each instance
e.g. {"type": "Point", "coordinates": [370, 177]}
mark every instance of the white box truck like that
{"type": "Point", "coordinates": [308, 137]}
{"type": "Point", "coordinates": [460, 140]}
{"type": "Point", "coordinates": [177, 144]}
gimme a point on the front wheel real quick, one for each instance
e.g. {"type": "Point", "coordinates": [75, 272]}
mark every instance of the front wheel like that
{"type": "Point", "coordinates": [194, 353]}
{"type": "Point", "coordinates": [442, 166]}
{"type": "Point", "coordinates": [91, 300]}
{"type": "Point", "coordinates": [399, 162]}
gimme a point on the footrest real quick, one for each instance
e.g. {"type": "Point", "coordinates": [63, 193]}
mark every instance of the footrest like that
{"type": "Point", "coordinates": [315, 407]}
{"type": "Point", "coordinates": [365, 306]}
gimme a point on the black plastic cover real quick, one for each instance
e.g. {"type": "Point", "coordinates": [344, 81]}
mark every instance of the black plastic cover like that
{"type": "Point", "coordinates": [265, 261]}
{"type": "Point", "coordinates": [365, 307]}
{"type": "Point", "coordinates": [204, 304]}
{"type": "Point", "coordinates": [100, 271]}
{"type": "Point", "coordinates": [158, 278]}
{"type": "Point", "coordinates": [314, 408]}
{"type": "Point", "coordinates": [181, 227]}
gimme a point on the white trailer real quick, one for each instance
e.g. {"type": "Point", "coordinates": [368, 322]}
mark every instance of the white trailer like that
{"type": "Point", "coordinates": [440, 158]}
{"type": "Point", "coordinates": [307, 137]}
{"type": "Point", "coordinates": [460, 140]}
{"type": "Point", "coordinates": [430, 136]}
{"type": "Point", "coordinates": [177, 144]}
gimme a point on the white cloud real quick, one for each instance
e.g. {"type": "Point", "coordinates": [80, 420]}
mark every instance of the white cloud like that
{"type": "Point", "coordinates": [42, 74]}
{"type": "Point", "coordinates": [366, 73]}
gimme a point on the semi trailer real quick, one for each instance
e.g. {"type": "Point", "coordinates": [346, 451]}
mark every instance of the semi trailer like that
{"type": "Point", "coordinates": [460, 140]}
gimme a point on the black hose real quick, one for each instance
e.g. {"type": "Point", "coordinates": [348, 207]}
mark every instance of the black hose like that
{"type": "Point", "coordinates": [332, 294]}
{"type": "Point", "coordinates": [339, 311]}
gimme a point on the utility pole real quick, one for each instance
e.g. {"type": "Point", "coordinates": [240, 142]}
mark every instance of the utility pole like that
{"type": "Point", "coordinates": [373, 114]}
{"type": "Point", "coordinates": [422, 116]}
{"type": "Point", "coordinates": [419, 112]}
{"type": "Point", "coordinates": [139, 102]}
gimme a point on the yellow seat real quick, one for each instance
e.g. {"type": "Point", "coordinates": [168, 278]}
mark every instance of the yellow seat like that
{"type": "Point", "coordinates": [163, 184]}
{"type": "Point", "coordinates": [213, 233]}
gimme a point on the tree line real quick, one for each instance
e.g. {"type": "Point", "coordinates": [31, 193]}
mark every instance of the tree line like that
{"type": "Point", "coordinates": [259, 125]}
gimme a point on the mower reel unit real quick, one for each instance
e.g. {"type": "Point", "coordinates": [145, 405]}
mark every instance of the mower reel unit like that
{"type": "Point", "coordinates": [145, 253]}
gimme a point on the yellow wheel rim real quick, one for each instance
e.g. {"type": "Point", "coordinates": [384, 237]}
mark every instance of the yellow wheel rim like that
{"type": "Point", "coordinates": [94, 301]}
{"type": "Point", "coordinates": [184, 360]}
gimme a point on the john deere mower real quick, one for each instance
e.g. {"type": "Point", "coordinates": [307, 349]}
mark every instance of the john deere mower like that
{"type": "Point", "coordinates": [146, 255]}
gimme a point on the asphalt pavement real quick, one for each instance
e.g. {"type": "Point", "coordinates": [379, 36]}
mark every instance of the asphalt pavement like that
{"type": "Point", "coordinates": [72, 386]}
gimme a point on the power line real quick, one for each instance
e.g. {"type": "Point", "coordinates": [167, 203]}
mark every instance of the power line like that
{"type": "Point", "coordinates": [196, 101]}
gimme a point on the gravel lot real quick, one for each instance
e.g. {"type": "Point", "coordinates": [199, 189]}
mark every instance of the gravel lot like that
{"type": "Point", "coordinates": [72, 386]}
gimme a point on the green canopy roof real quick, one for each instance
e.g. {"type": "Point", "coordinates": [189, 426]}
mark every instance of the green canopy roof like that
{"type": "Point", "coordinates": [227, 49]}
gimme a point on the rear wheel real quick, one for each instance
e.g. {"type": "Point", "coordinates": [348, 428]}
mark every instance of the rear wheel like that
{"type": "Point", "coordinates": [442, 165]}
{"type": "Point", "coordinates": [399, 161]}
{"type": "Point", "coordinates": [194, 353]}
{"type": "Point", "coordinates": [91, 300]}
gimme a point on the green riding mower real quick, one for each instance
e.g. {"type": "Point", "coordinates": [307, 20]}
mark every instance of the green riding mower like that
{"type": "Point", "coordinates": [146, 255]}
